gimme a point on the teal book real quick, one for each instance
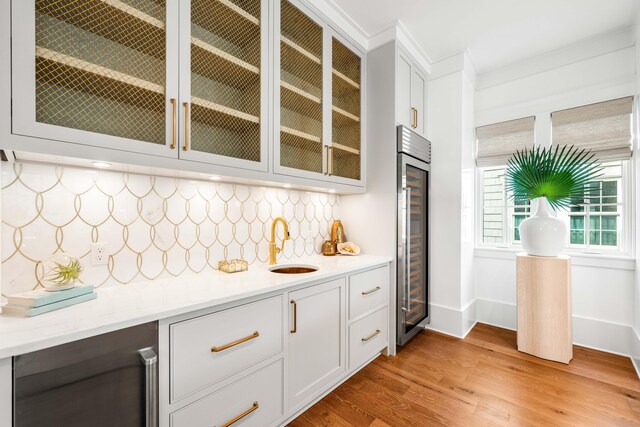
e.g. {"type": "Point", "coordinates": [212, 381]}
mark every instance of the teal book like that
{"type": "Point", "coordinates": [12, 310]}
{"type": "Point", "coordinates": [39, 297]}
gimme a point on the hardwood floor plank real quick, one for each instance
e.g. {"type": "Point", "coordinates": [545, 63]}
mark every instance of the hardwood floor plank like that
{"type": "Point", "coordinates": [482, 381]}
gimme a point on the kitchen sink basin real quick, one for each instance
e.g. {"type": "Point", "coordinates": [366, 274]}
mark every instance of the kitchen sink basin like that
{"type": "Point", "coordinates": [293, 269]}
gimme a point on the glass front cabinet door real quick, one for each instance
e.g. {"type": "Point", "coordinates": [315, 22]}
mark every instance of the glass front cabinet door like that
{"type": "Point", "coordinates": [346, 126]}
{"type": "Point", "coordinates": [224, 82]}
{"type": "Point", "coordinates": [94, 72]}
{"type": "Point", "coordinates": [318, 128]}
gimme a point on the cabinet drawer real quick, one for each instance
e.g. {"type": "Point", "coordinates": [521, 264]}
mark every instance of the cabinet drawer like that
{"type": "Point", "coordinates": [257, 399]}
{"type": "Point", "coordinates": [368, 290]}
{"type": "Point", "coordinates": [367, 337]}
{"type": "Point", "coordinates": [207, 349]}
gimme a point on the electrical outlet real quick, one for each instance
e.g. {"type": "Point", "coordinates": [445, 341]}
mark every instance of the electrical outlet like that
{"type": "Point", "coordinates": [99, 253]}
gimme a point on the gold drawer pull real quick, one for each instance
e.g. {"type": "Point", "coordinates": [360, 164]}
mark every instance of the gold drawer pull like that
{"type": "Point", "coordinates": [370, 291]}
{"type": "Point", "coordinates": [414, 117]}
{"type": "Point", "coordinates": [254, 407]}
{"type": "Point", "coordinates": [370, 337]}
{"type": "Point", "coordinates": [214, 349]}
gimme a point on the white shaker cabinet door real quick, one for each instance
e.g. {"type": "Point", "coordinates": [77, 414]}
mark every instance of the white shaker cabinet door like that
{"type": "Point", "coordinates": [403, 87]}
{"type": "Point", "coordinates": [419, 100]}
{"type": "Point", "coordinates": [316, 340]}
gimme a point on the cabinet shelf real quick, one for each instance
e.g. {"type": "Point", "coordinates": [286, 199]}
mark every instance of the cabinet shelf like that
{"type": "Point", "coordinates": [147, 34]}
{"type": "Point", "coordinates": [346, 80]}
{"type": "Point", "coordinates": [345, 148]}
{"type": "Point", "coordinates": [300, 135]}
{"type": "Point", "coordinates": [236, 20]}
{"type": "Point", "coordinates": [230, 70]}
{"type": "Point", "coordinates": [207, 111]}
{"type": "Point", "coordinates": [344, 118]}
{"type": "Point", "coordinates": [295, 99]}
{"type": "Point", "coordinates": [63, 70]}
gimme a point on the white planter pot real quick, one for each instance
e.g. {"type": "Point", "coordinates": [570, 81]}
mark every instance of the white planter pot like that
{"type": "Point", "coordinates": [542, 234]}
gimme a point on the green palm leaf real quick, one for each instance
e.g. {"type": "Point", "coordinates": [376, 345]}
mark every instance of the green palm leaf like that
{"type": "Point", "coordinates": [557, 173]}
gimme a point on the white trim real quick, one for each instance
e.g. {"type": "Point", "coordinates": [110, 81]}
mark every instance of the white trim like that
{"type": "Point", "coordinates": [6, 382]}
{"type": "Point", "coordinates": [592, 333]}
{"type": "Point", "coordinates": [635, 350]}
{"type": "Point", "coordinates": [398, 32]}
{"type": "Point", "coordinates": [452, 321]}
{"type": "Point", "coordinates": [618, 262]}
{"type": "Point", "coordinates": [583, 50]}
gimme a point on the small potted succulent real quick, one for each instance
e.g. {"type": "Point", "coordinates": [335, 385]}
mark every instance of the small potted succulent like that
{"type": "Point", "coordinates": [550, 178]}
{"type": "Point", "coordinates": [58, 272]}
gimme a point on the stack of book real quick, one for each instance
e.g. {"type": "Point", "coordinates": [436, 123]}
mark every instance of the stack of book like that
{"type": "Point", "coordinates": [39, 301]}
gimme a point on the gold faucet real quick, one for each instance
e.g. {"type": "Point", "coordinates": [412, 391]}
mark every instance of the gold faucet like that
{"type": "Point", "coordinates": [273, 249]}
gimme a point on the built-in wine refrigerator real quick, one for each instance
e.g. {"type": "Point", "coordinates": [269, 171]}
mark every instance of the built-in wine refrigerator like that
{"type": "Point", "coordinates": [414, 158]}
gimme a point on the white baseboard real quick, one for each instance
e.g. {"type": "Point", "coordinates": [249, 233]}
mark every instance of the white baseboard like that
{"type": "Point", "coordinates": [635, 350]}
{"type": "Point", "coordinates": [453, 321]}
{"type": "Point", "coordinates": [592, 333]}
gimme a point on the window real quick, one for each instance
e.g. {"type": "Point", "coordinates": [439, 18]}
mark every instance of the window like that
{"type": "Point", "coordinates": [501, 217]}
{"type": "Point", "coordinates": [595, 219]}
{"type": "Point", "coordinates": [598, 220]}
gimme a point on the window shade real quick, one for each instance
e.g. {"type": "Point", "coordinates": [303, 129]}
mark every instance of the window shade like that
{"type": "Point", "coordinates": [498, 142]}
{"type": "Point", "coordinates": [604, 128]}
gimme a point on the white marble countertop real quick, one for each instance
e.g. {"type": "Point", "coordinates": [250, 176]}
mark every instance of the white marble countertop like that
{"type": "Point", "coordinates": [122, 306]}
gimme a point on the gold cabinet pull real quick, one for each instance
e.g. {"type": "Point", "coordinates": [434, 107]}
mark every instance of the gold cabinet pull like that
{"type": "Point", "coordinates": [370, 291]}
{"type": "Point", "coordinates": [295, 317]}
{"type": "Point", "coordinates": [414, 117]}
{"type": "Point", "coordinates": [331, 159]}
{"type": "Point", "coordinates": [326, 160]}
{"type": "Point", "coordinates": [174, 123]}
{"type": "Point", "coordinates": [186, 126]}
{"type": "Point", "coordinates": [365, 339]}
{"type": "Point", "coordinates": [234, 420]}
{"type": "Point", "coordinates": [215, 349]}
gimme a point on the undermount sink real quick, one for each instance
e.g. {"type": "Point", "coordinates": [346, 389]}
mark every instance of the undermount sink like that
{"type": "Point", "coordinates": [293, 269]}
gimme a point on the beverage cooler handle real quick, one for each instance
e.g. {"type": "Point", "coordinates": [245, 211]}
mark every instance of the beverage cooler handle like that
{"type": "Point", "coordinates": [149, 359]}
{"type": "Point", "coordinates": [407, 261]}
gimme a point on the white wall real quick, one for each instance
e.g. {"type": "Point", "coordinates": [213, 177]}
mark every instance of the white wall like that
{"type": "Point", "coordinates": [635, 336]}
{"type": "Point", "coordinates": [451, 132]}
{"type": "Point", "coordinates": [595, 70]}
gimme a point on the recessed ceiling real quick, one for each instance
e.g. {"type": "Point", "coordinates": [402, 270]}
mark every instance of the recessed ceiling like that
{"type": "Point", "coordinates": [496, 32]}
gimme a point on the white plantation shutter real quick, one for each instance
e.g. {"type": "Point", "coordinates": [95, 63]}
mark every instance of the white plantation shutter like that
{"type": "Point", "coordinates": [498, 142]}
{"type": "Point", "coordinates": [604, 128]}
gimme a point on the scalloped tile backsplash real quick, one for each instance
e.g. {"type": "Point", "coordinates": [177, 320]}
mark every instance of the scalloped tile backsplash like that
{"type": "Point", "coordinates": [154, 226]}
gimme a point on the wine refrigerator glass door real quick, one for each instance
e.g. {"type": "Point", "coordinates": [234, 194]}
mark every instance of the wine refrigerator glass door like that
{"type": "Point", "coordinates": [413, 230]}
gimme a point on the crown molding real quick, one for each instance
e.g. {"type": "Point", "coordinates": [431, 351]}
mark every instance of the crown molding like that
{"type": "Point", "coordinates": [612, 41]}
{"type": "Point", "coordinates": [398, 32]}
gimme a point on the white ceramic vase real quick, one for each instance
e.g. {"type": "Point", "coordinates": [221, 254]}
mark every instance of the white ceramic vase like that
{"type": "Point", "coordinates": [542, 234]}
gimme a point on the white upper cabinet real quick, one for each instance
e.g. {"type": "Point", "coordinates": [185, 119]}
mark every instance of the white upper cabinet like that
{"type": "Point", "coordinates": [224, 82]}
{"type": "Point", "coordinates": [100, 73]}
{"type": "Point", "coordinates": [261, 89]}
{"type": "Point", "coordinates": [319, 128]}
{"type": "Point", "coordinates": [411, 94]}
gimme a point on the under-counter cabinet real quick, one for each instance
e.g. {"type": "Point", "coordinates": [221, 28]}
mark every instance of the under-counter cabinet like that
{"type": "Point", "coordinates": [264, 361]}
{"type": "Point", "coordinates": [319, 128]}
{"type": "Point", "coordinates": [316, 340]}
{"type": "Point", "coordinates": [194, 82]}
{"type": "Point", "coordinates": [411, 94]}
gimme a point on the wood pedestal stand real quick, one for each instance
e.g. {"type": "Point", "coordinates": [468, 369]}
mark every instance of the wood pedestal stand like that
{"type": "Point", "coordinates": [544, 307]}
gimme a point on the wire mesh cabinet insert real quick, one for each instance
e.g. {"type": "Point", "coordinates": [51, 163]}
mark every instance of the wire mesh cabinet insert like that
{"type": "Point", "coordinates": [224, 84]}
{"type": "Point", "coordinates": [96, 72]}
{"type": "Point", "coordinates": [300, 148]}
{"type": "Point", "coordinates": [346, 78]}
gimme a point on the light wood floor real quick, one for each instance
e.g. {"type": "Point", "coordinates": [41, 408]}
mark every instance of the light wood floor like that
{"type": "Point", "coordinates": [482, 380]}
